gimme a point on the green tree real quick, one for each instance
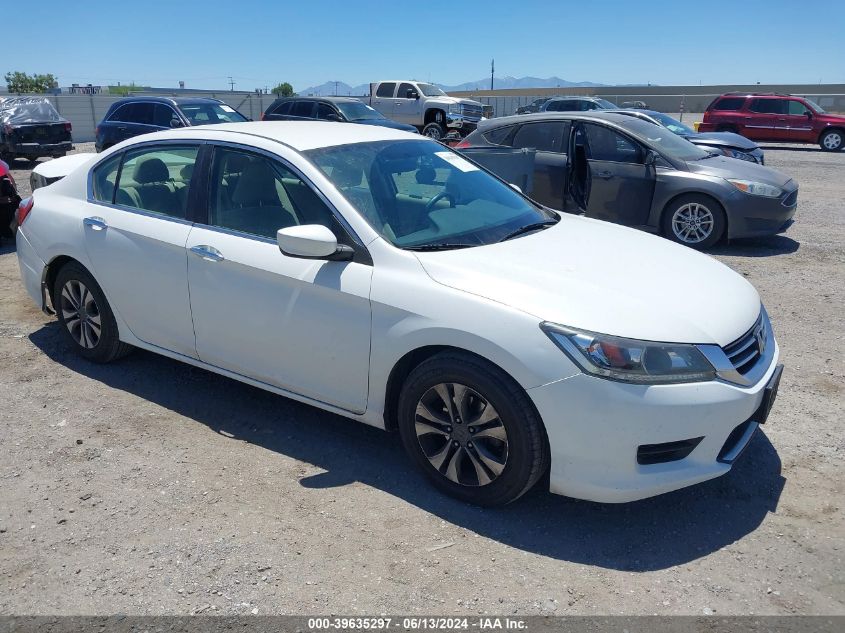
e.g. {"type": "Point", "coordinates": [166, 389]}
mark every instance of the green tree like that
{"type": "Point", "coordinates": [20, 83]}
{"type": "Point", "coordinates": [283, 90]}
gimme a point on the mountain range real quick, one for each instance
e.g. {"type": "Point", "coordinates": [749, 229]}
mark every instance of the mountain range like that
{"type": "Point", "coordinates": [341, 88]}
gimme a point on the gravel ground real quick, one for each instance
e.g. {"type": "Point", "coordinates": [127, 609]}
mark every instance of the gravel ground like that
{"type": "Point", "coordinates": [150, 487]}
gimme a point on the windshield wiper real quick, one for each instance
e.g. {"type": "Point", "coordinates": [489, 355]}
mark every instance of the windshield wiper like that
{"type": "Point", "coordinates": [536, 226]}
{"type": "Point", "coordinates": [439, 246]}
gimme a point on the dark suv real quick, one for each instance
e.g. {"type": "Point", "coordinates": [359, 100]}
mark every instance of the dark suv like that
{"type": "Point", "coordinates": [346, 109]}
{"type": "Point", "coordinates": [775, 117]}
{"type": "Point", "coordinates": [140, 115]}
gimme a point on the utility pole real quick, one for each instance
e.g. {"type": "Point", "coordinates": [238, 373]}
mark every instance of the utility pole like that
{"type": "Point", "coordinates": [335, 89]}
{"type": "Point", "coordinates": [231, 84]}
{"type": "Point", "coordinates": [492, 70]}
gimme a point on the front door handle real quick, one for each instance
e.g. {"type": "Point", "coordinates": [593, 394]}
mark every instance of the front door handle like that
{"type": "Point", "coordinates": [208, 253]}
{"type": "Point", "coordinates": [96, 223]}
{"type": "Point", "coordinates": [605, 175]}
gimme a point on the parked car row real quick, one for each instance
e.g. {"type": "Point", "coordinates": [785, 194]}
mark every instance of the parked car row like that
{"type": "Point", "coordinates": [385, 277]}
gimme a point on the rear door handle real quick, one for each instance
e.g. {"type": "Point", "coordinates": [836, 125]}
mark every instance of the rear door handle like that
{"type": "Point", "coordinates": [605, 174]}
{"type": "Point", "coordinates": [208, 253]}
{"type": "Point", "coordinates": [96, 223]}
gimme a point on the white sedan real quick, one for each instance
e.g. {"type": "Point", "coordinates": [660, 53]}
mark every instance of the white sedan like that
{"type": "Point", "coordinates": [383, 277]}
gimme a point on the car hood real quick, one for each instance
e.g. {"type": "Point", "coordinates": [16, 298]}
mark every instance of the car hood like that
{"type": "Point", "coordinates": [724, 139]}
{"type": "Point", "coordinates": [395, 125]}
{"type": "Point", "coordinates": [829, 117]}
{"type": "Point", "coordinates": [606, 278]}
{"type": "Point", "coordinates": [724, 167]}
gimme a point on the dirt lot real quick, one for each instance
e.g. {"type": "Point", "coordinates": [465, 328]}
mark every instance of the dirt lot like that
{"type": "Point", "coordinates": [148, 486]}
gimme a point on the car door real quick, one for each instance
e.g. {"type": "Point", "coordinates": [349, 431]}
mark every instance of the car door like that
{"type": "Point", "coordinates": [136, 226]}
{"type": "Point", "coordinates": [550, 162]}
{"type": "Point", "coordinates": [797, 122]}
{"type": "Point", "coordinates": [120, 125]}
{"type": "Point", "coordinates": [761, 122]}
{"type": "Point", "coordinates": [405, 108]}
{"type": "Point", "coordinates": [383, 99]}
{"type": "Point", "coordinates": [302, 325]}
{"type": "Point", "coordinates": [621, 184]}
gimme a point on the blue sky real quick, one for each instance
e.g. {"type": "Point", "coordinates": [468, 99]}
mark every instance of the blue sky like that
{"type": "Point", "coordinates": [357, 41]}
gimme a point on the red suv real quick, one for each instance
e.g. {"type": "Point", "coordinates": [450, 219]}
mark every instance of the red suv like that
{"type": "Point", "coordinates": [774, 117]}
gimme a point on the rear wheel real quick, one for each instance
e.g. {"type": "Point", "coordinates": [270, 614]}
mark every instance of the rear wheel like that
{"type": "Point", "coordinates": [472, 430]}
{"type": "Point", "coordinates": [85, 315]}
{"type": "Point", "coordinates": [694, 220]}
{"type": "Point", "coordinates": [832, 141]}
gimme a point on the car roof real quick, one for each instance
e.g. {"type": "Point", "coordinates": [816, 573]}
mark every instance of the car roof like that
{"type": "Point", "coordinates": [300, 135]}
{"type": "Point", "coordinates": [602, 115]}
{"type": "Point", "coordinates": [576, 98]}
{"type": "Point", "coordinates": [168, 100]}
{"type": "Point", "coordinates": [329, 99]}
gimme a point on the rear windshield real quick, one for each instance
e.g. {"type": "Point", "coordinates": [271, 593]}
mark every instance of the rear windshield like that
{"type": "Point", "coordinates": [208, 113]}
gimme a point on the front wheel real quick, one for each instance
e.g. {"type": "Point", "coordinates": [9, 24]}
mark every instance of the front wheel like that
{"type": "Point", "coordinates": [85, 315]}
{"type": "Point", "coordinates": [434, 130]}
{"type": "Point", "coordinates": [694, 220]}
{"type": "Point", "coordinates": [832, 141]}
{"type": "Point", "coordinates": [472, 430]}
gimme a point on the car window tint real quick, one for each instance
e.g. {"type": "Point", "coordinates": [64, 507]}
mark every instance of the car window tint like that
{"type": "Point", "coordinates": [731, 103]}
{"type": "Point", "coordinates": [386, 89]}
{"type": "Point", "coordinates": [545, 136]}
{"type": "Point", "coordinates": [402, 93]}
{"type": "Point", "coordinates": [162, 114]}
{"type": "Point", "coordinates": [797, 108]}
{"type": "Point", "coordinates": [283, 108]}
{"type": "Point", "coordinates": [325, 111]}
{"type": "Point", "coordinates": [123, 113]}
{"type": "Point", "coordinates": [143, 113]}
{"type": "Point", "coordinates": [303, 109]}
{"type": "Point", "coordinates": [104, 178]}
{"type": "Point", "coordinates": [609, 145]}
{"type": "Point", "coordinates": [768, 106]}
{"type": "Point", "coordinates": [157, 179]}
{"type": "Point", "coordinates": [256, 195]}
{"type": "Point", "coordinates": [500, 135]}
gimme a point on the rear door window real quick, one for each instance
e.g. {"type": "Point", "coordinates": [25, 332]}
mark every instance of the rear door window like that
{"type": "Point", "coordinates": [123, 113]}
{"type": "Point", "coordinates": [157, 179]}
{"type": "Point", "coordinates": [143, 113]}
{"type": "Point", "coordinates": [500, 135]}
{"type": "Point", "coordinates": [105, 178]}
{"type": "Point", "coordinates": [769, 106]}
{"type": "Point", "coordinates": [544, 136]}
{"type": "Point", "coordinates": [303, 109]}
{"type": "Point", "coordinates": [730, 103]}
{"type": "Point", "coordinates": [282, 108]}
{"type": "Point", "coordinates": [386, 90]}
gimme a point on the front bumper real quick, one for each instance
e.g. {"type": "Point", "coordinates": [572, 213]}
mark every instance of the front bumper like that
{"type": "Point", "coordinates": [595, 428]}
{"type": "Point", "coordinates": [40, 149]}
{"type": "Point", "coordinates": [757, 216]}
{"type": "Point", "coordinates": [461, 122]}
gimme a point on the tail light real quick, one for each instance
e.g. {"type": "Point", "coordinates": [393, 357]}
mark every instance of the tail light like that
{"type": "Point", "coordinates": [68, 126]}
{"type": "Point", "coordinates": [464, 143]}
{"type": "Point", "coordinates": [23, 210]}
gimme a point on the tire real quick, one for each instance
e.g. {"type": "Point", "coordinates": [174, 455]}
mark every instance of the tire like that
{"type": "Point", "coordinates": [726, 128]}
{"type": "Point", "coordinates": [681, 214]}
{"type": "Point", "coordinates": [434, 130]}
{"type": "Point", "coordinates": [510, 452]}
{"type": "Point", "coordinates": [832, 140]}
{"type": "Point", "coordinates": [82, 307]}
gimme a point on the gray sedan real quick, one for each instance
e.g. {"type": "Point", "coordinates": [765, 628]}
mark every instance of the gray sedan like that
{"type": "Point", "coordinates": [621, 169]}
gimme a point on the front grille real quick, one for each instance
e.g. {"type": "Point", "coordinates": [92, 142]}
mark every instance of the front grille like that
{"type": "Point", "coordinates": [666, 452]}
{"type": "Point", "coordinates": [746, 351]}
{"type": "Point", "coordinates": [791, 199]}
{"type": "Point", "coordinates": [471, 111]}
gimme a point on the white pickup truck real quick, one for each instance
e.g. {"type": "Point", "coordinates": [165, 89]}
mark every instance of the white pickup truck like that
{"type": "Point", "coordinates": [425, 106]}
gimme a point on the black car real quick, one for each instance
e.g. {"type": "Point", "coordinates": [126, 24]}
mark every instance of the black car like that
{"type": "Point", "coordinates": [576, 104]}
{"type": "Point", "coordinates": [140, 115]}
{"type": "Point", "coordinates": [9, 200]}
{"type": "Point", "coordinates": [727, 143]}
{"type": "Point", "coordinates": [30, 127]}
{"type": "Point", "coordinates": [534, 106]}
{"type": "Point", "coordinates": [346, 109]}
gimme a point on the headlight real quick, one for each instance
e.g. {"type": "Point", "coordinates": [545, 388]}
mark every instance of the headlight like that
{"type": "Point", "coordinates": [454, 108]}
{"type": "Point", "coordinates": [735, 153]}
{"type": "Point", "coordinates": [756, 188]}
{"type": "Point", "coordinates": [629, 360]}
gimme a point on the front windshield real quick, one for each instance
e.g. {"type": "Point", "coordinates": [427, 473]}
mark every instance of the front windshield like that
{"type": "Point", "coordinates": [815, 106]}
{"type": "Point", "coordinates": [208, 113]}
{"type": "Point", "coordinates": [672, 124]}
{"type": "Point", "coordinates": [420, 193]}
{"type": "Point", "coordinates": [664, 141]}
{"type": "Point", "coordinates": [358, 111]}
{"type": "Point", "coordinates": [430, 90]}
{"type": "Point", "coordinates": [607, 105]}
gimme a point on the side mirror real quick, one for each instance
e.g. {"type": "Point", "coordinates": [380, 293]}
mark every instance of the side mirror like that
{"type": "Point", "coordinates": [312, 241]}
{"type": "Point", "coordinates": [333, 117]}
{"type": "Point", "coordinates": [412, 94]}
{"type": "Point", "coordinates": [174, 122]}
{"type": "Point", "coordinates": [808, 114]}
{"type": "Point", "coordinates": [651, 158]}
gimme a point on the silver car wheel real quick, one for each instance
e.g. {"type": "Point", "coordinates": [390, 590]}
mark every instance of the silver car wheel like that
{"type": "Point", "coordinates": [433, 132]}
{"type": "Point", "coordinates": [692, 223]}
{"type": "Point", "coordinates": [832, 140]}
{"type": "Point", "coordinates": [461, 434]}
{"type": "Point", "coordinates": [81, 314]}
